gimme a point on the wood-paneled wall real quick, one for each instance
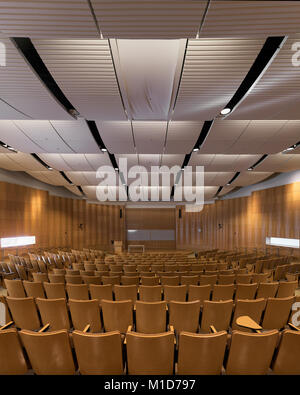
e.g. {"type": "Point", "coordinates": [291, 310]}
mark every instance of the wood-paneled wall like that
{"type": "Point", "coordinates": [242, 222]}
{"type": "Point", "coordinates": [55, 221]}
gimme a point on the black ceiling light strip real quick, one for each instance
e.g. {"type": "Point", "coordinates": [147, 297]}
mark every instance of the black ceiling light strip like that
{"type": "Point", "coordinates": [292, 147]}
{"type": "Point", "coordinates": [234, 178]}
{"type": "Point", "coordinates": [181, 73]}
{"type": "Point", "coordinates": [218, 191]}
{"type": "Point", "coordinates": [203, 134]}
{"type": "Point", "coordinates": [35, 156]}
{"type": "Point", "coordinates": [66, 178]}
{"type": "Point", "coordinates": [80, 189]}
{"type": "Point", "coordinates": [8, 147]}
{"type": "Point", "coordinates": [269, 49]}
{"type": "Point", "coordinates": [95, 132]}
{"type": "Point", "coordinates": [26, 47]}
{"type": "Point", "coordinates": [258, 162]}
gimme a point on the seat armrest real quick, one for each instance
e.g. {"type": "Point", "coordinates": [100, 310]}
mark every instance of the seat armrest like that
{"type": "Point", "coordinates": [6, 326]}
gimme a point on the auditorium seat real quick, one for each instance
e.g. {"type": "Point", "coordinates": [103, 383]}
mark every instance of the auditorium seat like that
{"type": "Point", "coordinates": [125, 292]}
{"type": "Point", "coordinates": [175, 292]}
{"type": "Point", "coordinates": [130, 280]}
{"type": "Point", "coordinates": [189, 280]}
{"type": "Point", "coordinates": [260, 277]}
{"type": "Point", "coordinates": [55, 290]}
{"type": "Point", "coordinates": [35, 290]}
{"type": "Point", "coordinates": [267, 290]}
{"type": "Point", "coordinates": [287, 360]}
{"type": "Point", "coordinates": [149, 293]}
{"type": "Point", "coordinates": [100, 292]}
{"type": "Point", "coordinates": [226, 279]}
{"type": "Point", "coordinates": [111, 280]}
{"type": "Point", "coordinates": [217, 314]}
{"type": "Point", "coordinates": [243, 278]}
{"type": "Point", "coordinates": [150, 354]}
{"type": "Point", "coordinates": [117, 315]}
{"type": "Point", "coordinates": [56, 278]}
{"type": "Point", "coordinates": [98, 354]}
{"type": "Point", "coordinates": [201, 354]}
{"type": "Point", "coordinates": [277, 312]}
{"type": "Point", "coordinates": [49, 353]}
{"type": "Point", "coordinates": [184, 316]}
{"type": "Point", "coordinates": [59, 271]}
{"type": "Point", "coordinates": [149, 280]}
{"type": "Point", "coordinates": [73, 279]}
{"type": "Point", "coordinates": [78, 291]}
{"type": "Point", "coordinates": [199, 292]}
{"type": "Point", "coordinates": [85, 312]}
{"type": "Point", "coordinates": [174, 280]}
{"type": "Point", "coordinates": [24, 313]}
{"type": "Point", "coordinates": [12, 360]}
{"type": "Point", "coordinates": [151, 317]}
{"type": "Point", "coordinates": [251, 353]}
{"type": "Point", "coordinates": [245, 291]}
{"type": "Point", "coordinates": [54, 312]}
{"type": "Point", "coordinates": [251, 308]}
{"type": "Point", "coordinates": [15, 288]}
{"type": "Point", "coordinates": [208, 280]}
{"type": "Point", "coordinates": [223, 292]}
{"type": "Point", "coordinates": [91, 280]}
{"type": "Point", "coordinates": [286, 288]}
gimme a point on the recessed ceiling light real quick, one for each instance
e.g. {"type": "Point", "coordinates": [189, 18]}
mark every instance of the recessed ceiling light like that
{"type": "Point", "coordinates": [226, 111]}
{"type": "Point", "coordinates": [50, 168]}
{"type": "Point", "coordinates": [196, 149]}
{"type": "Point", "coordinates": [103, 149]}
{"type": "Point", "coordinates": [250, 169]}
{"type": "Point", "coordinates": [10, 148]}
{"type": "Point", "coordinates": [116, 169]}
{"type": "Point", "coordinates": [290, 149]}
{"type": "Point", "coordinates": [228, 184]}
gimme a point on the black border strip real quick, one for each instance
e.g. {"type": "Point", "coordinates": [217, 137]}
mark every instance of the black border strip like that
{"type": "Point", "coordinates": [258, 162]}
{"type": "Point", "coordinates": [29, 52]}
{"type": "Point", "coordinates": [36, 157]}
{"type": "Point", "coordinates": [66, 178]}
{"type": "Point", "coordinates": [204, 133]}
{"type": "Point", "coordinates": [234, 178]}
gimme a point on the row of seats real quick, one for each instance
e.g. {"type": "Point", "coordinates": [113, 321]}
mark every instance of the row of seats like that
{"type": "Point", "coordinates": [21, 289]}
{"type": "Point", "coordinates": [102, 354]}
{"type": "Point", "coordinates": [149, 317]}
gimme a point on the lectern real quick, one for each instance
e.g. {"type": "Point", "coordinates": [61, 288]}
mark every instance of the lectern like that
{"type": "Point", "coordinates": [118, 246]}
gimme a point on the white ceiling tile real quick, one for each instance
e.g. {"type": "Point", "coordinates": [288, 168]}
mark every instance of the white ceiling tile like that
{"type": "Point", "coordinates": [50, 177]}
{"type": "Point", "coordinates": [182, 137]}
{"type": "Point", "coordinates": [117, 136]}
{"type": "Point", "coordinates": [149, 136]}
{"type": "Point", "coordinates": [250, 177]}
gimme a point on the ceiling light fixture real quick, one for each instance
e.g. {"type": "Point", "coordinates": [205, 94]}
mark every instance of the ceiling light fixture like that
{"type": "Point", "coordinates": [103, 149]}
{"type": "Point", "coordinates": [196, 149]}
{"type": "Point", "coordinates": [250, 169]}
{"type": "Point", "coordinates": [226, 111]}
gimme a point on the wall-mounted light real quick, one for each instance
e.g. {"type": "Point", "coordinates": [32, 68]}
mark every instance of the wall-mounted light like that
{"type": "Point", "coordinates": [7, 242]}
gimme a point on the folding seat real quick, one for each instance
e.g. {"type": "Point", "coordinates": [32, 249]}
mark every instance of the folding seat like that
{"type": "Point", "coordinates": [116, 268]}
{"type": "Point", "coordinates": [92, 280]}
{"type": "Point", "coordinates": [112, 280]}
{"type": "Point", "coordinates": [117, 315]}
{"type": "Point", "coordinates": [54, 312]}
{"type": "Point", "coordinates": [59, 271]}
{"type": "Point", "coordinates": [24, 313]}
{"type": "Point", "coordinates": [102, 273]}
{"type": "Point", "coordinates": [245, 291]}
{"type": "Point", "coordinates": [184, 316]}
{"type": "Point", "coordinates": [125, 292]}
{"type": "Point", "coordinates": [226, 279]}
{"type": "Point", "coordinates": [243, 278]}
{"type": "Point", "coordinates": [201, 354]}
{"type": "Point", "coordinates": [150, 354]}
{"type": "Point", "coordinates": [87, 272]}
{"type": "Point", "coordinates": [286, 288]}
{"type": "Point", "coordinates": [149, 274]}
{"type": "Point", "coordinates": [12, 360]}
{"type": "Point", "coordinates": [102, 267]}
{"type": "Point", "coordinates": [208, 280]}
{"type": "Point", "coordinates": [260, 277]}
{"type": "Point", "coordinates": [201, 293]}
{"type": "Point", "coordinates": [251, 308]}
{"type": "Point", "coordinates": [170, 267]}
{"type": "Point", "coordinates": [55, 291]}
{"type": "Point", "coordinates": [77, 267]}
{"type": "Point", "coordinates": [72, 272]}
{"type": "Point", "coordinates": [227, 272]}
{"type": "Point", "coordinates": [89, 267]}
{"type": "Point", "coordinates": [99, 354]}
{"type": "Point", "coordinates": [15, 288]}
{"type": "Point", "coordinates": [222, 266]}
{"type": "Point", "coordinates": [186, 267]}
{"type": "Point", "coordinates": [170, 280]}
{"type": "Point", "coordinates": [197, 267]}
{"type": "Point", "coordinates": [189, 280]}
{"type": "Point", "coordinates": [35, 290]}
{"type": "Point", "coordinates": [130, 269]}
{"type": "Point", "coordinates": [175, 292]}
{"type": "Point", "coordinates": [267, 290]}
{"type": "Point", "coordinates": [251, 353]}
{"type": "Point", "coordinates": [150, 293]}
{"type": "Point", "coordinates": [210, 267]}
{"type": "Point", "coordinates": [85, 312]}
{"type": "Point", "coordinates": [42, 266]}
{"type": "Point", "coordinates": [40, 277]}
{"type": "Point", "coordinates": [49, 353]}
{"type": "Point", "coordinates": [287, 359]}
{"type": "Point", "coordinates": [157, 268]}
{"type": "Point", "coordinates": [78, 291]}
{"type": "Point", "coordinates": [128, 280]}
{"type": "Point", "coordinates": [100, 292]}
{"type": "Point", "coordinates": [56, 278]}
{"type": "Point", "coordinates": [73, 279]}
{"type": "Point", "coordinates": [151, 317]}
{"type": "Point", "coordinates": [217, 314]}
{"type": "Point", "coordinates": [223, 292]}
{"type": "Point", "coordinates": [277, 312]}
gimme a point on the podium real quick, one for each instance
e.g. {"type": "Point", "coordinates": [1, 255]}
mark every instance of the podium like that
{"type": "Point", "coordinates": [118, 246]}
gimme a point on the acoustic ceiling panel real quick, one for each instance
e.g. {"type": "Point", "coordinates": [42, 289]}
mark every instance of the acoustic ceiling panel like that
{"type": "Point", "coordinates": [19, 162]}
{"type": "Point", "coordinates": [280, 163]}
{"type": "Point", "coordinates": [76, 162]}
{"type": "Point", "coordinates": [84, 71]}
{"type": "Point", "coordinates": [74, 189]}
{"type": "Point", "coordinates": [55, 18]}
{"type": "Point", "coordinates": [50, 177]}
{"type": "Point", "coordinates": [117, 136]}
{"type": "Point", "coordinates": [149, 19]}
{"type": "Point", "coordinates": [276, 94]}
{"type": "Point", "coordinates": [251, 18]}
{"type": "Point", "coordinates": [213, 70]}
{"type": "Point", "coordinates": [182, 136]}
{"type": "Point", "coordinates": [23, 95]}
{"type": "Point", "coordinates": [250, 177]}
{"type": "Point", "coordinates": [149, 136]}
{"type": "Point", "coordinates": [223, 163]}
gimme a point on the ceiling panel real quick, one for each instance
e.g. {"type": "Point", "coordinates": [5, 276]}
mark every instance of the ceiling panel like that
{"type": "Point", "coordinates": [225, 190]}
{"type": "Point", "coordinates": [172, 160]}
{"type": "Point", "coordinates": [132, 159]}
{"type": "Point", "coordinates": [149, 19]}
{"type": "Point", "coordinates": [19, 162]}
{"type": "Point", "coordinates": [276, 94]}
{"type": "Point", "coordinates": [148, 161]}
{"type": "Point", "coordinates": [182, 137]}
{"type": "Point", "coordinates": [76, 162]}
{"type": "Point", "coordinates": [149, 136]}
{"type": "Point", "coordinates": [117, 136]}
{"type": "Point", "coordinates": [250, 177]}
{"type": "Point", "coordinates": [223, 163]}
{"type": "Point", "coordinates": [213, 70]}
{"type": "Point", "coordinates": [50, 177]}
{"type": "Point", "coordinates": [280, 163]}
{"type": "Point", "coordinates": [84, 71]}
{"type": "Point", "coordinates": [63, 18]}
{"type": "Point", "coordinates": [74, 190]}
{"type": "Point", "coordinates": [23, 95]}
{"type": "Point", "coordinates": [251, 18]}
